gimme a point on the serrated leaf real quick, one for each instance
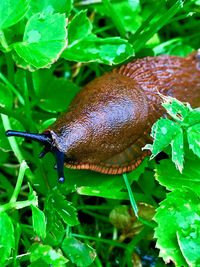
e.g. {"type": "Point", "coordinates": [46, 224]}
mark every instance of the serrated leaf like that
{"type": "Point", "coordinates": [39, 223]}
{"type": "Point", "coordinates": [170, 177]}
{"type": "Point", "coordinates": [63, 208]}
{"type": "Point", "coordinates": [190, 244]}
{"type": "Point", "coordinates": [79, 28]}
{"type": "Point", "coordinates": [12, 11]}
{"type": "Point", "coordinates": [177, 150]}
{"type": "Point", "coordinates": [164, 131]}
{"type": "Point", "coordinates": [44, 39]}
{"type": "Point", "coordinates": [109, 51]}
{"type": "Point", "coordinates": [47, 254]}
{"type": "Point", "coordinates": [193, 136]}
{"type": "Point", "coordinates": [79, 253]}
{"type": "Point", "coordinates": [7, 241]}
{"type": "Point", "coordinates": [176, 109]}
{"type": "Point", "coordinates": [179, 212]}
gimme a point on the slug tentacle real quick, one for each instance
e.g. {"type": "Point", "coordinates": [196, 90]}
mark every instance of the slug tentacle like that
{"type": "Point", "coordinates": [46, 140]}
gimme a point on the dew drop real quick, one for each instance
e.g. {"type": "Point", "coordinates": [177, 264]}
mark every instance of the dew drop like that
{"type": "Point", "coordinates": [163, 130]}
{"type": "Point", "coordinates": [33, 36]}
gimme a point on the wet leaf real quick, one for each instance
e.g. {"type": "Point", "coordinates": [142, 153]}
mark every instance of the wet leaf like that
{"type": "Point", "coordinates": [7, 241]}
{"type": "Point", "coordinates": [169, 176]}
{"type": "Point", "coordinates": [57, 204]}
{"type": "Point", "coordinates": [109, 51]}
{"type": "Point", "coordinates": [44, 39]}
{"type": "Point", "coordinates": [47, 255]}
{"type": "Point", "coordinates": [177, 215]}
{"type": "Point", "coordinates": [79, 28]}
{"type": "Point", "coordinates": [79, 253]}
{"type": "Point", "coordinates": [39, 223]}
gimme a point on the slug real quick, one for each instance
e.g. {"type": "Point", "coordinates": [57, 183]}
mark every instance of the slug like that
{"type": "Point", "coordinates": [110, 119]}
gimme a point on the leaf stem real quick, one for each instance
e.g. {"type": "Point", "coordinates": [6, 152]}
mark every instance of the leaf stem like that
{"type": "Point", "coordinates": [111, 242]}
{"type": "Point", "coordinates": [130, 193]}
{"type": "Point", "coordinates": [22, 169]}
{"type": "Point", "coordinates": [17, 205]}
{"type": "Point", "coordinates": [14, 145]}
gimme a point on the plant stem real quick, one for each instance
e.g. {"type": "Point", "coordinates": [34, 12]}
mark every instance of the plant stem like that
{"type": "Point", "coordinates": [110, 242]}
{"type": "Point", "coordinates": [10, 67]}
{"type": "Point", "coordinates": [14, 145]}
{"type": "Point", "coordinates": [130, 193]}
{"type": "Point", "coordinates": [22, 169]}
{"type": "Point", "coordinates": [115, 18]}
{"type": "Point", "coordinates": [17, 205]}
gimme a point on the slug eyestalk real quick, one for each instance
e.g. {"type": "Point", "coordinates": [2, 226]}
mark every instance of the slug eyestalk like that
{"type": "Point", "coordinates": [46, 140]}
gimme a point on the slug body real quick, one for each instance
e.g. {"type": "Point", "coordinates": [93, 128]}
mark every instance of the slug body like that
{"type": "Point", "coordinates": [109, 121]}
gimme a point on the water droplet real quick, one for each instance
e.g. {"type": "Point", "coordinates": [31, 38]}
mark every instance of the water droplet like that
{"type": "Point", "coordinates": [33, 36]}
{"type": "Point", "coordinates": [163, 130]}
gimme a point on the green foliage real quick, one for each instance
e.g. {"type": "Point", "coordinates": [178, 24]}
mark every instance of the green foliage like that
{"type": "Point", "coordinates": [179, 215]}
{"type": "Point", "coordinates": [79, 253]}
{"type": "Point", "coordinates": [49, 49]}
{"type": "Point", "coordinates": [165, 131]}
{"type": "Point", "coordinates": [7, 240]}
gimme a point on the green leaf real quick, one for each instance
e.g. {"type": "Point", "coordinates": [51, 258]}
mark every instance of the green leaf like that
{"type": "Point", "coordinates": [44, 39]}
{"type": "Point", "coordinates": [47, 254]}
{"type": "Point", "coordinates": [127, 10]}
{"type": "Point", "coordinates": [4, 144]}
{"type": "Point", "coordinates": [79, 253]}
{"type": "Point", "coordinates": [109, 51]}
{"type": "Point", "coordinates": [177, 150]}
{"type": "Point", "coordinates": [7, 241]}
{"type": "Point", "coordinates": [39, 223]}
{"type": "Point", "coordinates": [61, 6]}
{"type": "Point", "coordinates": [48, 86]}
{"type": "Point", "coordinates": [97, 184]}
{"type": "Point", "coordinates": [79, 28]}
{"type": "Point", "coordinates": [193, 136]}
{"type": "Point", "coordinates": [6, 97]}
{"type": "Point", "coordinates": [192, 118]}
{"type": "Point", "coordinates": [62, 207]}
{"type": "Point", "coordinates": [190, 244]}
{"type": "Point", "coordinates": [12, 11]}
{"type": "Point", "coordinates": [176, 109]}
{"type": "Point", "coordinates": [170, 177]}
{"type": "Point", "coordinates": [163, 132]}
{"type": "Point", "coordinates": [178, 213]}
{"type": "Point", "coordinates": [166, 132]}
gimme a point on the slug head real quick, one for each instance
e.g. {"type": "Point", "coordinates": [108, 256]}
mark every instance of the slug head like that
{"type": "Point", "coordinates": [49, 146]}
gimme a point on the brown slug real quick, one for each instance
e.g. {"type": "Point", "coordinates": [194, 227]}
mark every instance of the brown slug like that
{"type": "Point", "coordinates": [110, 119]}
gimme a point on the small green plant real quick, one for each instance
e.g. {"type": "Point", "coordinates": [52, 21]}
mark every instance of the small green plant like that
{"type": "Point", "coordinates": [49, 49]}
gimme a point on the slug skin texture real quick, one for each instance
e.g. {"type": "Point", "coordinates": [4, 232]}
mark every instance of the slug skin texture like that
{"type": "Point", "coordinates": [110, 120]}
